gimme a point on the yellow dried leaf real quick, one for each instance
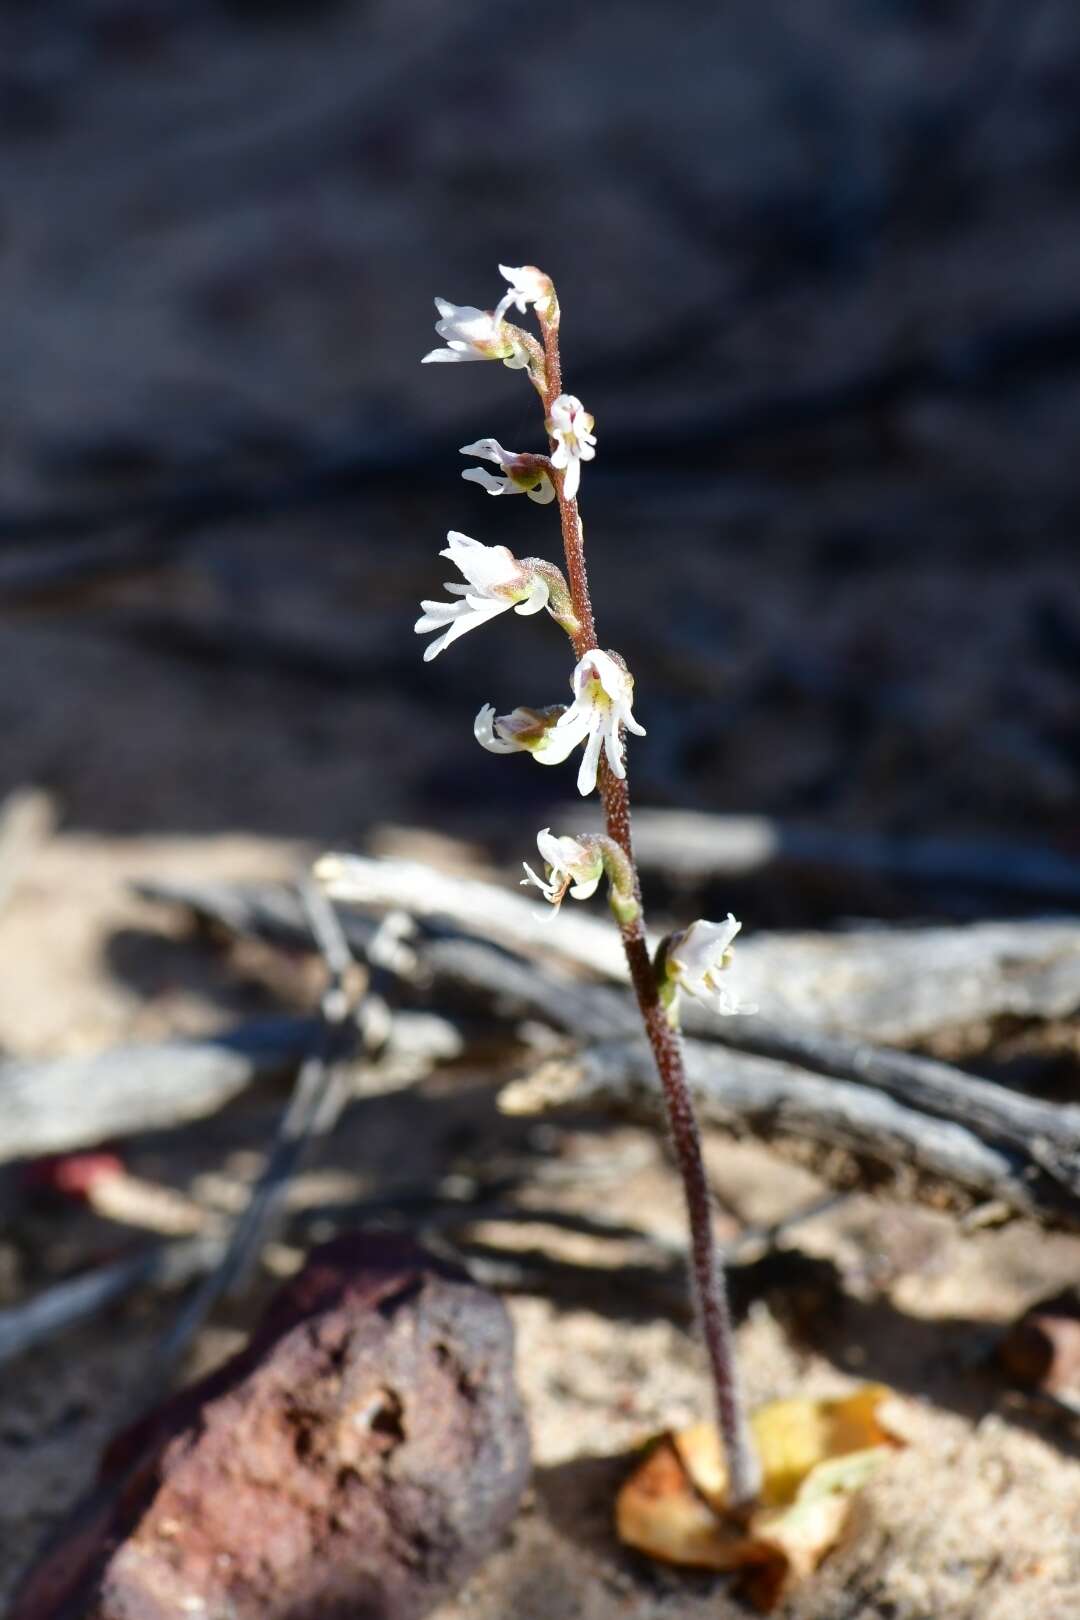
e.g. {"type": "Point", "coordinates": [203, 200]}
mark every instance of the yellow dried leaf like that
{"type": "Point", "coordinates": [791, 1438]}
{"type": "Point", "coordinates": [816, 1456]}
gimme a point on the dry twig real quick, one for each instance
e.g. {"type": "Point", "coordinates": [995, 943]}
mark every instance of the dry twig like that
{"type": "Point", "coordinates": [773, 1100]}
{"type": "Point", "coordinates": [319, 1095]}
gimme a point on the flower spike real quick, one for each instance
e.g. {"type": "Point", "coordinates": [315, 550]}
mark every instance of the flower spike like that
{"type": "Point", "coordinates": [494, 582]}
{"type": "Point", "coordinates": [600, 713]}
{"type": "Point", "coordinates": [570, 425]}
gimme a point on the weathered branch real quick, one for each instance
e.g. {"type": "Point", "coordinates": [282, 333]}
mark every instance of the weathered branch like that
{"type": "Point", "coordinates": [692, 844]}
{"type": "Point", "coordinates": [1050, 1132]}
{"type": "Point", "coordinates": [881, 984]}
{"type": "Point", "coordinates": [892, 1107]}
{"type": "Point", "coordinates": [53, 1105]}
{"type": "Point", "coordinates": [320, 1092]}
{"type": "Point", "coordinates": [442, 952]}
{"type": "Point", "coordinates": [972, 971]}
{"type": "Point", "coordinates": [891, 985]}
{"type": "Point", "coordinates": [773, 1100]}
{"type": "Point", "coordinates": [169, 1265]}
{"type": "Point", "coordinates": [487, 910]}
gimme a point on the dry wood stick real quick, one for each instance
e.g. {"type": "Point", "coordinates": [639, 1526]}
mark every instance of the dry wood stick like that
{"type": "Point", "coordinates": [771, 1099]}
{"type": "Point", "coordinates": [693, 844]}
{"type": "Point", "coordinates": [989, 1110]}
{"type": "Point", "coordinates": [1047, 1133]}
{"type": "Point", "coordinates": [319, 1095]}
{"type": "Point", "coordinates": [882, 984]}
{"type": "Point", "coordinates": [54, 1104]}
{"type": "Point", "coordinates": [75, 1300]}
{"type": "Point", "coordinates": [878, 983]}
{"type": "Point", "coordinates": [442, 950]}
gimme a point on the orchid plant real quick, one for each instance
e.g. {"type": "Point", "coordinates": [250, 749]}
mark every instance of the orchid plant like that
{"type": "Point", "coordinates": [599, 716]}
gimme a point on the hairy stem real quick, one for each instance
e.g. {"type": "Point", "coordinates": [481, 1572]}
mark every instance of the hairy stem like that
{"type": "Point", "coordinates": [744, 1474]}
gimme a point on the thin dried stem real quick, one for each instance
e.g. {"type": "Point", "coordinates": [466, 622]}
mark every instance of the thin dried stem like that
{"type": "Point", "coordinates": [744, 1473]}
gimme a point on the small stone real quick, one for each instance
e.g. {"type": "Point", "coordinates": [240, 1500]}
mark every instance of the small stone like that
{"type": "Point", "coordinates": [355, 1461]}
{"type": "Point", "coordinates": [1042, 1348]}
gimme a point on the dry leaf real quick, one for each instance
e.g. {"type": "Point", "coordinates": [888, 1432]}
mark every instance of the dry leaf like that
{"type": "Point", "coordinates": [815, 1455]}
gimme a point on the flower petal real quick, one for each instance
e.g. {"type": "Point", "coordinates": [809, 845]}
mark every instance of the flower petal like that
{"type": "Point", "coordinates": [586, 780]}
{"type": "Point", "coordinates": [560, 741]}
{"type": "Point", "coordinates": [543, 492]}
{"type": "Point", "coordinates": [537, 598]}
{"type": "Point", "coordinates": [549, 846]}
{"type": "Point", "coordinates": [582, 891]}
{"type": "Point", "coordinates": [470, 619]}
{"type": "Point", "coordinates": [486, 735]}
{"type": "Point", "coordinates": [548, 890]}
{"type": "Point", "coordinates": [449, 356]}
{"type": "Point", "coordinates": [613, 748]}
{"type": "Point", "coordinates": [487, 450]}
{"type": "Point", "coordinates": [488, 481]}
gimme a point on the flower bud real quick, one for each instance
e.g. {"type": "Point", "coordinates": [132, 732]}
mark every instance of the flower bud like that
{"type": "Point", "coordinates": [528, 285]}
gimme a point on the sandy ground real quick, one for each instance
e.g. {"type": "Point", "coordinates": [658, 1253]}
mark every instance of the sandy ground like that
{"type": "Point", "coordinates": [978, 1517]}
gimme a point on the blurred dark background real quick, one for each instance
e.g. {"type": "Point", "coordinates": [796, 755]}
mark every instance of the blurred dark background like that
{"type": "Point", "coordinates": [820, 275]}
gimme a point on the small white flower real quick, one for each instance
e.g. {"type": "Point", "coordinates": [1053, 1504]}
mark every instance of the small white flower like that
{"type": "Point", "coordinates": [523, 731]}
{"type": "Point", "coordinates": [473, 334]}
{"type": "Point", "coordinates": [571, 426]}
{"type": "Point", "coordinates": [603, 693]}
{"type": "Point", "coordinates": [572, 864]}
{"type": "Point", "coordinates": [495, 581]}
{"type": "Point", "coordinates": [528, 285]}
{"type": "Point", "coordinates": [522, 476]}
{"type": "Point", "coordinates": [695, 958]}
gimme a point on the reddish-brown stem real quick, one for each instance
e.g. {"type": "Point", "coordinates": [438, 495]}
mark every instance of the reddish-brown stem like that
{"type": "Point", "coordinates": [744, 1476]}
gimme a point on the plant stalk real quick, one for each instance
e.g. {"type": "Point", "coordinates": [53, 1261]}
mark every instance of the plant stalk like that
{"type": "Point", "coordinates": [710, 1287]}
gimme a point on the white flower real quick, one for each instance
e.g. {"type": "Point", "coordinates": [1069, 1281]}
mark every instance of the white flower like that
{"type": "Point", "coordinates": [522, 475]}
{"type": "Point", "coordinates": [571, 426]}
{"type": "Point", "coordinates": [572, 864]}
{"type": "Point", "coordinates": [473, 334]}
{"type": "Point", "coordinates": [603, 693]}
{"type": "Point", "coordinates": [495, 581]}
{"type": "Point", "coordinates": [528, 285]}
{"type": "Point", "coordinates": [530, 731]}
{"type": "Point", "coordinates": [695, 958]}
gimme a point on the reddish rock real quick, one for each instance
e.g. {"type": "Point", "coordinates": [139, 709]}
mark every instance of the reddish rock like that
{"type": "Point", "coordinates": [354, 1462]}
{"type": "Point", "coordinates": [1042, 1348]}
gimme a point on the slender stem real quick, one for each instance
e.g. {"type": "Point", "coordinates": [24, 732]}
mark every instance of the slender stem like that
{"type": "Point", "coordinates": [744, 1474]}
{"type": "Point", "coordinates": [577, 578]}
